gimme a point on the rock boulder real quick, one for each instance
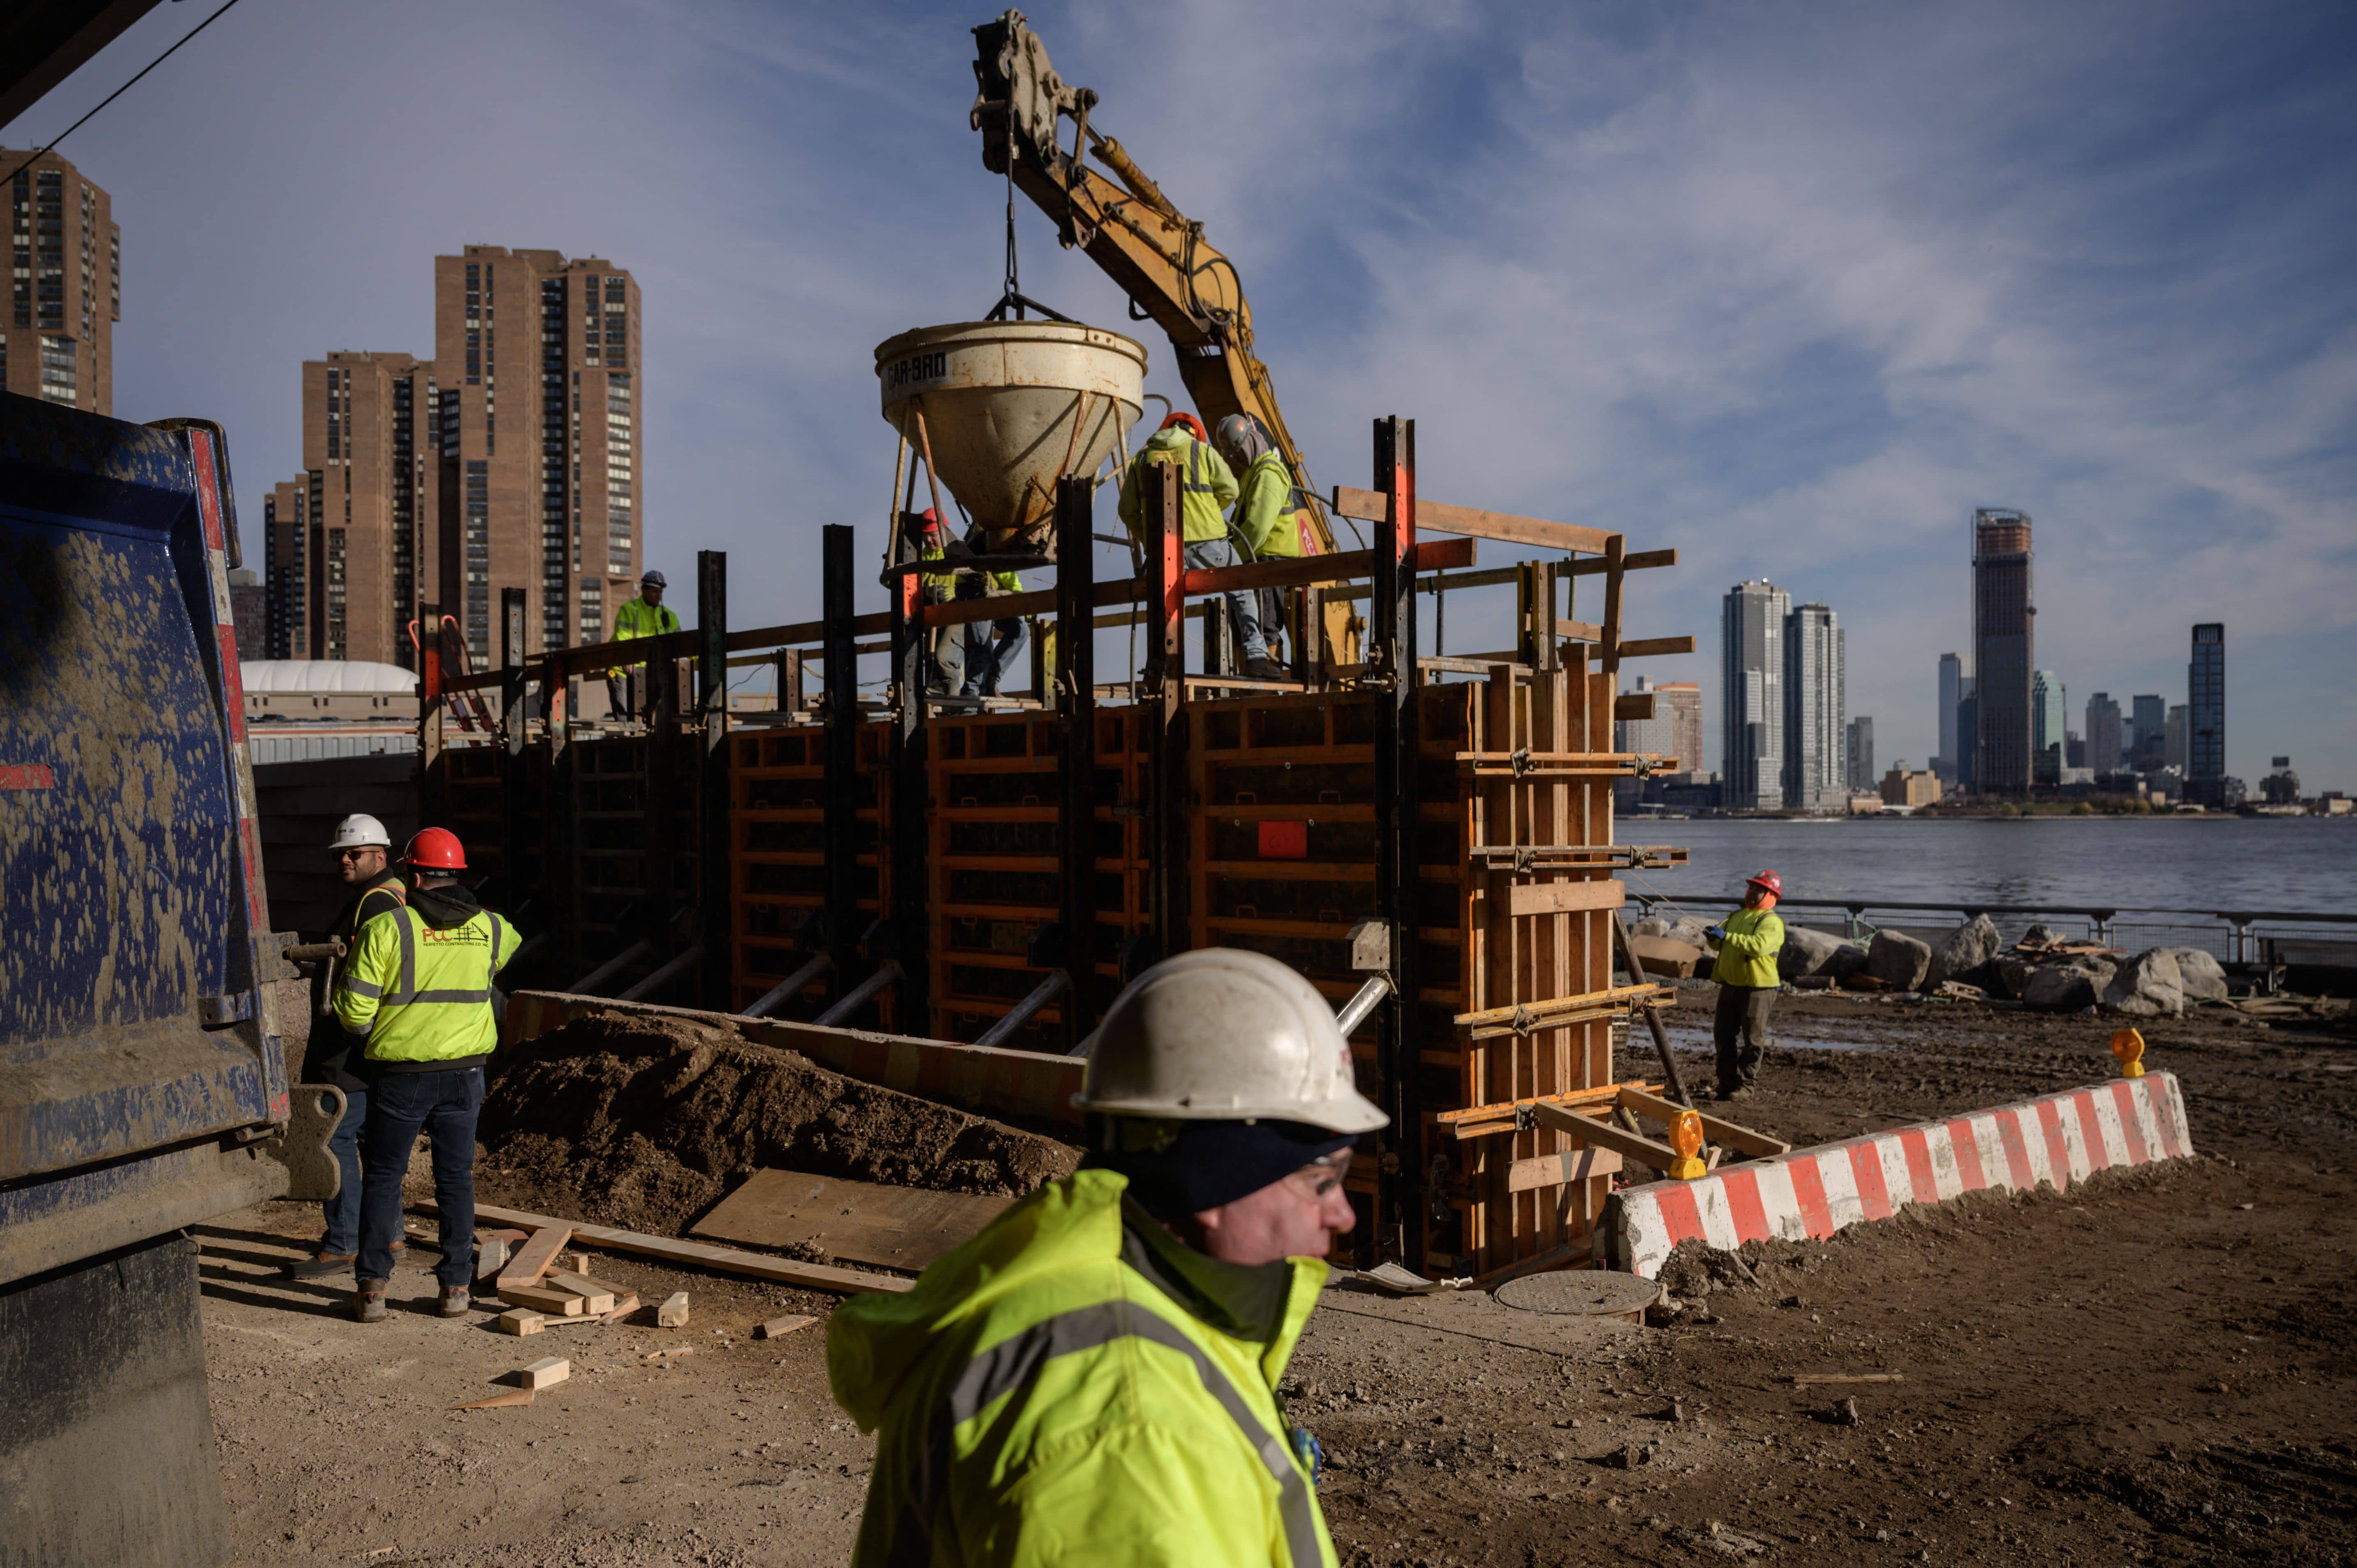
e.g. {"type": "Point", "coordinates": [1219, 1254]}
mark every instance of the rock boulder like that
{"type": "Point", "coordinates": [1964, 950]}
{"type": "Point", "coordinates": [2200, 976]}
{"type": "Point", "coordinates": [1651, 926]}
{"type": "Point", "coordinates": [2008, 975]}
{"type": "Point", "coordinates": [2149, 984]}
{"type": "Point", "coordinates": [1899, 961]}
{"type": "Point", "coordinates": [2058, 988]}
{"type": "Point", "coordinates": [1848, 958]}
{"type": "Point", "coordinates": [1806, 951]}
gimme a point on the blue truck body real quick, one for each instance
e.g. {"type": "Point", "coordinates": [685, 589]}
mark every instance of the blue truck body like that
{"type": "Point", "coordinates": [141, 1074]}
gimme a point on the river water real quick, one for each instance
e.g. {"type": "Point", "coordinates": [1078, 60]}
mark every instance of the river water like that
{"type": "Point", "coordinates": [2204, 865]}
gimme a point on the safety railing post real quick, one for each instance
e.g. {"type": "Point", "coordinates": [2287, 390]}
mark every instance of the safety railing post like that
{"type": "Point", "coordinates": [842, 751]}
{"type": "Point", "coordinates": [1391, 658]}
{"type": "Point", "coordinates": [1076, 704]}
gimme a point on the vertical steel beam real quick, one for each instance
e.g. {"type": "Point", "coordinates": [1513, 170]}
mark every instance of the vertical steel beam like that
{"type": "Point", "coordinates": [557, 867]}
{"type": "Point", "coordinates": [432, 800]}
{"type": "Point", "coordinates": [1390, 657]}
{"type": "Point", "coordinates": [516, 723]}
{"type": "Point", "coordinates": [1076, 678]}
{"type": "Point", "coordinates": [1613, 551]}
{"type": "Point", "coordinates": [842, 783]}
{"type": "Point", "coordinates": [661, 792]}
{"type": "Point", "coordinates": [911, 824]}
{"type": "Point", "coordinates": [1166, 717]}
{"type": "Point", "coordinates": [713, 870]}
{"type": "Point", "coordinates": [791, 699]}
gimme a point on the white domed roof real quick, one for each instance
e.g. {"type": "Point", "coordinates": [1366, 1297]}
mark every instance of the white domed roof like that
{"type": "Point", "coordinates": [323, 675]}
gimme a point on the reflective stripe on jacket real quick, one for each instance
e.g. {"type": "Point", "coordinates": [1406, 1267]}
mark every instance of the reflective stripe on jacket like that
{"type": "Point", "coordinates": [415, 993]}
{"type": "Point", "coordinates": [1747, 956]}
{"type": "Point", "coordinates": [1266, 517]}
{"type": "Point", "coordinates": [1074, 1385]}
{"type": "Point", "coordinates": [1207, 485]}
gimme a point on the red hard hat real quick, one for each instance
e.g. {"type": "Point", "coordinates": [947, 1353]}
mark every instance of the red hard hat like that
{"type": "Point", "coordinates": [931, 519]}
{"type": "Point", "coordinates": [1190, 421]}
{"type": "Point", "coordinates": [1771, 881]}
{"type": "Point", "coordinates": [436, 849]}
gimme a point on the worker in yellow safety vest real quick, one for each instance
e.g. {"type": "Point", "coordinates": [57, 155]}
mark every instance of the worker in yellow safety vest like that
{"type": "Point", "coordinates": [1092, 1377]}
{"type": "Point", "coordinates": [1270, 516]}
{"type": "Point", "coordinates": [642, 616]}
{"type": "Point", "coordinates": [1748, 982]}
{"type": "Point", "coordinates": [1208, 488]}
{"type": "Point", "coordinates": [418, 989]}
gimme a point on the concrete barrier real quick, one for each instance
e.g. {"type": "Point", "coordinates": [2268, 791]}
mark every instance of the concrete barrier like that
{"type": "Point", "coordinates": [2056, 1138]}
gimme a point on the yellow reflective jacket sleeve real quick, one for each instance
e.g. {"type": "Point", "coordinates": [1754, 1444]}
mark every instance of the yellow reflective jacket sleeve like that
{"type": "Point", "coordinates": [1747, 956]}
{"type": "Point", "coordinates": [1264, 519]}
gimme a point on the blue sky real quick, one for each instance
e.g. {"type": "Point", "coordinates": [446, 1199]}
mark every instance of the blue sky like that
{"type": "Point", "coordinates": [1790, 287]}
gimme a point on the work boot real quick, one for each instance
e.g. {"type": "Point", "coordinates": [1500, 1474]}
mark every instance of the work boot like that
{"type": "Point", "coordinates": [1734, 1091]}
{"type": "Point", "coordinates": [320, 1265]}
{"type": "Point", "coordinates": [368, 1302]}
{"type": "Point", "coordinates": [453, 1302]}
{"type": "Point", "coordinates": [1265, 670]}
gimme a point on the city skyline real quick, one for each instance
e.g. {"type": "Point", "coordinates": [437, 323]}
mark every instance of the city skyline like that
{"type": "Point", "coordinates": [1796, 355]}
{"type": "Point", "coordinates": [407, 499]}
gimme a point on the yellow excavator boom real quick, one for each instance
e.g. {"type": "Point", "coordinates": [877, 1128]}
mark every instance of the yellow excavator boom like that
{"type": "Point", "coordinates": [1128, 227]}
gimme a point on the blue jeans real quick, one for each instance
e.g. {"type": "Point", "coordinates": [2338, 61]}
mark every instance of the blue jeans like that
{"type": "Point", "coordinates": [986, 660]}
{"type": "Point", "coordinates": [1243, 605]}
{"type": "Point", "coordinates": [444, 1105]}
{"type": "Point", "coordinates": [343, 1211]}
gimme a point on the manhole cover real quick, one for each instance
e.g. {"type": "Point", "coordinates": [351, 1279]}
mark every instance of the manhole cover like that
{"type": "Point", "coordinates": [1583, 1292]}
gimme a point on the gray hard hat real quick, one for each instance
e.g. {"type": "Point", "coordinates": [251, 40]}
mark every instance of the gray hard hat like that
{"type": "Point", "coordinates": [653, 577]}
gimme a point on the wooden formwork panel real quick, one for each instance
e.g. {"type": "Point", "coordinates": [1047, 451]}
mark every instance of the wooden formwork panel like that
{"type": "Point", "coordinates": [614, 843]}
{"type": "Point", "coordinates": [995, 862]}
{"type": "Point", "coordinates": [778, 847]}
{"type": "Point", "coordinates": [474, 806]}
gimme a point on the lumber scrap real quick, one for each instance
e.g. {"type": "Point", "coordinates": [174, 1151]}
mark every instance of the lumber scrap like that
{"type": "Point", "coordinates": [1374, 506]}
{"type": "Point", "coordinates": [623, 1307]}
{"type": "Point", "coordinates": [723, 1260]}
{"type": "Point", "coordinates": [1503, 1116]}
{"type": "Point", "coordinates": [519, 1321]}
{"type": "Point", "coordinates": [673, 1312]}
{"type": "Point", "coordinates": [596, 1299]}
{"type": "Point", "coordinates": [498, 1401]}
{"type": "Point", "coordinates": [779, 1327]}
{"type": "Point", "coordinates": [546, 1372]}
{"type": "Point", "coordinates": [536, 1256]}
{"type": "Point", "coordinates": [544, 1299]}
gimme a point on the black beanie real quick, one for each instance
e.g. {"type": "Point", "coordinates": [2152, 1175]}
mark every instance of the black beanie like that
{"type": "Point", "coordinates": [1209, 1164]}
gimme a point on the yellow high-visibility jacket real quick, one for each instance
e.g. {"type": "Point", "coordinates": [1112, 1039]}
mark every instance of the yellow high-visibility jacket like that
{"type": "Point", "coordinates": [419, 992]}
{"type": "Point", "coordinates": [1267, 518]}
{"type": "Point", "coordinates": [1209, 485]}
{"type": "Point", "coordinates": [1747, 956]}
{"type": "Point", "coordinates": [640, 618]}
{"type": "Point", "coordinates": [1076, 1386]}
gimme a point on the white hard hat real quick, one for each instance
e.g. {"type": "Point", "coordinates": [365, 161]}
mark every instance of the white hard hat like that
{"type": "Point", "coordinates": [1225, 1034]}
{"type": "Point", "coordinates": [360, 831]}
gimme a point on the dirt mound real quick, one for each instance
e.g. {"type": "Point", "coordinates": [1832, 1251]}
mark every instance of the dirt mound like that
{"type": "Point", "coordinates": [644, 1122]}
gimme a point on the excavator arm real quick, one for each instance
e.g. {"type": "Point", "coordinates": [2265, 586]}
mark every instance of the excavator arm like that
{"type": "Point", "coordinates": [1129, 228]}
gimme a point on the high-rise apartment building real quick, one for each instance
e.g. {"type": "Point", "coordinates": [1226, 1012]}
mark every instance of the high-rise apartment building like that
{"type": "Point", "coordinates": [2004, 616]}
{"type": "Point", "coordinates": [2173, 753]}
{"type": "Point", "coordinates": [2104, 734]}
{"type": "Point", "coordinates": [1951, 691]}
{"type": "Point", "coordinates": [2205, 698]}
{"type": "Point", "coordinates": [1676, 729]}
{"type": "Point", "coordinates": [286, 569]}
{"type": "Point", "coordinates": [2048, 720]}
{"type": "Point", "coordinates": [1862, 776]}
{"type": "Point", "coordinates": [1751, 669]}
{"type": "Point", "coordinates": [1816, 712]}
{"type": "Point", "coordinates": [409, 499]}
{"type": "Point", "coordinates": [2148, 731]}
{"type": "Point", "coordinates": [58, 339]}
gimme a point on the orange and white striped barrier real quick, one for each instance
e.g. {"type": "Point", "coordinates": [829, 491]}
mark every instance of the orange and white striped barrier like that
{"type": "Point", "coordinates": [1813, 1193]}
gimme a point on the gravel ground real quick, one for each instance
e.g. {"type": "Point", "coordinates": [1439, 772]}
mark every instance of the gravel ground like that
{"type": "Point", "coordinates": [2154, 1367]}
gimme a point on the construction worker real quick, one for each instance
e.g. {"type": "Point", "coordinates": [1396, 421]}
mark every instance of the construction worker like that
{"type": "Point", "coordinates": [947, 655]}
{"type": "Point", "coordinates": [1208, 489]}
{"type": "Point", "coordinates": [418, 989]}
{"type": "Point", "coordinates": [1093, 1379]}
{"type": "Point", "coordinates": [1748, 982]}
{"type": "Point", "coordinates": [642, 616]}
{"type": "Point", "coordinates": [989, 644]}
{"type": "Point", "coordinates": [361, 847]}
{"type": "Point", "coordinates": [1269, 516]}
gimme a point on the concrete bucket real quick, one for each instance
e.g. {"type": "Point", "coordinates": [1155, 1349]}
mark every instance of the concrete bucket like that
{"type": "Point", "coordinates": [1007, 408]}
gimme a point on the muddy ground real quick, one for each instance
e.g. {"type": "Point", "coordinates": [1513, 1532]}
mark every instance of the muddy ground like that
{"type": "Point", "coordinates": [2154, 1367]}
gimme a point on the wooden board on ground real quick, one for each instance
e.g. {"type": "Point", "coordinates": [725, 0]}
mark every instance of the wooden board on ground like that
{"type": "Point", "coordinates": [897, 1227]}
{"type": "Point", "coordinates": [779, 1327]}
{"type": "Point", "coordinates": [544, 1299]}
{"type": "Point", "coordinates": [535, 1257]}
{"type": "Point", "coordinates": [699, 1254]}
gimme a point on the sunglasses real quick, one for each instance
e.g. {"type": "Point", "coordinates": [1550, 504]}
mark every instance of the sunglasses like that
{"type": "Point", "coordinates": [1321, 1176]}
{"type": "Point", "coordinates": [357, 854]}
